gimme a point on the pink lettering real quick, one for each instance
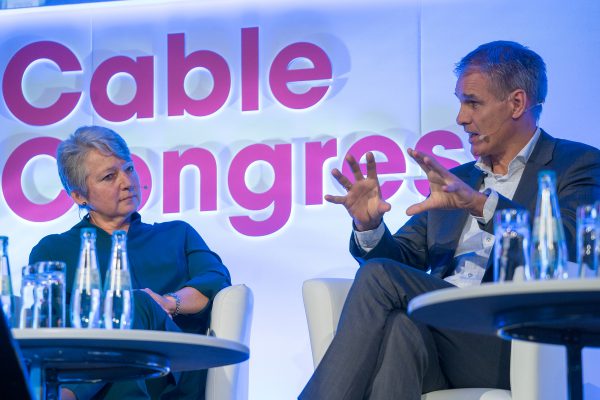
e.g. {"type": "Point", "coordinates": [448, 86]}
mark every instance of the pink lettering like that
{"type": "Point", "coordinates": [271, 202]}
{"type": "Point", "coordinates": [279, 194]}
{"type": "Point", "coordinates": [316, 155]}
{"type": "Point", "coordinates": [142, 71]}
{"type": "Point", "coordinates": [180, 65]}
{"type": "Point", "coordinates": [173, 163]}
{"type": "Point", "coordinates": [13, 190]}
{"type": "Point", "coordinates": [427, 142]}
{"type": "Point", "coordinates": [395, 164]}
{"type": "Point", "coordinates": [280, 75]}
{"type": "Point", "coordinates": [12, 82]}
{"type": "Point", "coordinates": [250, 69]}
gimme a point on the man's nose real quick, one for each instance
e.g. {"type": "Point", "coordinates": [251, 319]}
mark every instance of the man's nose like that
{"type": "Point", "coordinates": [462, 118]}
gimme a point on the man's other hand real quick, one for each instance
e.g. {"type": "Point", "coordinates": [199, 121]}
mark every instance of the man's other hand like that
{"type": "Point", "coordinates": [363, 198]}
{"type": "Point", "coordinates": [447, 190]}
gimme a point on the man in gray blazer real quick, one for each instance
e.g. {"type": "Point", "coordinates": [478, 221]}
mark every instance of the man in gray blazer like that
{"type": "Point", "coordinates": [378, 351]}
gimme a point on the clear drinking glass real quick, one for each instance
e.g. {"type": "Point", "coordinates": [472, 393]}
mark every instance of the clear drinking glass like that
{"type": "Point", "coordinates": [587, 240]}
{"type": "Point", "coordinates": [6, 292]}
{"type": "Point", "coordinates": [43, 295]}
{"type": "Point", "coordinates": [511, 249]}
{"type": "Point", "coordinates": [27, 306]}
{"type": "Point", "coordinates": [50, 295]}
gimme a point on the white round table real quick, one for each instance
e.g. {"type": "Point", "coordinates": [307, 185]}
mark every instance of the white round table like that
{"type": "Point", "coordinates": [565, 312]}
{"type": "Point", "coordinates": [65, 355]}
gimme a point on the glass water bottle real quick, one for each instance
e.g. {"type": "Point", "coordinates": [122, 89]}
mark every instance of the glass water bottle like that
{"type": "Point", "coordinates": [118, 298]}
{"type": "Point", "coordinates": [548, 247]}
{"type": "Point", "coordinates": [86, 294]}
{"type": "Point", "coordinates": [6, 293]}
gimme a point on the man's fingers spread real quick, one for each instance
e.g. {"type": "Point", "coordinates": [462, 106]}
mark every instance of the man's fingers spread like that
{"type": "Point", "coordinates": [434, 165]}
{"type": "Point", "coordinates": [384, 207]}
{"type": "Point", "coordinates": [342, 180]}
{"type": "Point", "coordinates": [414, 209]}
{"type": "Point", "coordinates": [371, 166]}
{"type": "Point", "coordinates": [335, 199]}
{"type": "Point", "coordinates": [418, 157]}
{"type": "Point", "coordinates": [354, 167]}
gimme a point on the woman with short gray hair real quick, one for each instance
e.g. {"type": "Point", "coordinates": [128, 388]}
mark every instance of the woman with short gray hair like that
{"type": "Point", "coordinates": [176, 273]}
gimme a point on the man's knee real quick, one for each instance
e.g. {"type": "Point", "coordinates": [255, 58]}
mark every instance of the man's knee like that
{"type": "Point", "coordinates": [369, 270]}
{"type": "Point", "coordinates": [379, 269]}
{"type": "Point", "coordinates": [373, 281]}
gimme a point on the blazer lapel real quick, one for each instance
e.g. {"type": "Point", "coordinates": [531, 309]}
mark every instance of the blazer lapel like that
{"type": "Point", "coordinates": [475, 179]}
{"type": "Point", "coordinates": [541, 155]}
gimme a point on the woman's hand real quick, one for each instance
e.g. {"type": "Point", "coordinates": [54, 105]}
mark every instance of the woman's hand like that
{"type": "Point", "coordinates": [166, 303]}
{"type": "Point", "coordinates": [363, 200]}
{"type": "Point", "coordinates": [66, 394]}
{"type": "Point", "coordinates": [192, 301]}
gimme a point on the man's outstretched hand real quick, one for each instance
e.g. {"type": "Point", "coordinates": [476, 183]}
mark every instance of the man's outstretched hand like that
{"type": "Point", "coordinates": [363, 200]}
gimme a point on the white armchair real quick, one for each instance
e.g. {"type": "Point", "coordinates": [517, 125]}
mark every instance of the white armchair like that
{"type": "Point", "coordinates": [231, 318]}
{"type": "Point", "coordinates": [533, 366]}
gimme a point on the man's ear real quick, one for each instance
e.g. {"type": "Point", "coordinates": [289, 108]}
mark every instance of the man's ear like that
{"type": "Point", "coordinates": [78, 198]}
{"type": "Point", "coordinates": [518, 102]}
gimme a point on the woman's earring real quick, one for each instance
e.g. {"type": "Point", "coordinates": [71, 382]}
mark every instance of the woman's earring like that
{"type": "Point", "coordinates": [82, 205]}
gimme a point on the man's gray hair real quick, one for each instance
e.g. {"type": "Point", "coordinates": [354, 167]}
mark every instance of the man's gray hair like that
{"type": "Point", "coordinates": [72, 152]}
{"type": "Point", "coordinates": [509, 66]}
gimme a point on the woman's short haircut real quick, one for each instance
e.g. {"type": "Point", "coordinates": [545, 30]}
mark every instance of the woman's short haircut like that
{"type": "Point", "coordinates": [509, 66]}
{"type": "Point", "coordinates": [72, 152]}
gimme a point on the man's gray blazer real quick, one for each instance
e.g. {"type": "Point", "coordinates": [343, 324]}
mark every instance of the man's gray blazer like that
{"type": "Point", "coordinates": [428, 240]}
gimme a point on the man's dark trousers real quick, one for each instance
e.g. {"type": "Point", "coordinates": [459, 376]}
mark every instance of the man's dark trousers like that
{"type": "Point", "coordinates": [380, 353]}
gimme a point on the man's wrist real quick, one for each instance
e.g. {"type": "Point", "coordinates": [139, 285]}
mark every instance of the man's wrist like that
{"type": "Point", "coordinates": [477, 205]}
{"type": "Point", "coordinates": [368, 240]}
{"type": "Point", "coordinates": [362, 228]}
